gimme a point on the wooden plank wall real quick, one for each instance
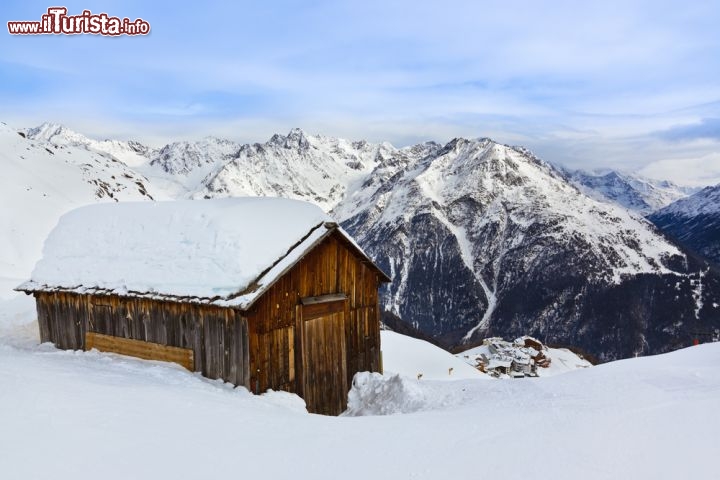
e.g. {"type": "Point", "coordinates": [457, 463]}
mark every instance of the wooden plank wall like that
{"type": "Point", "coordinates": [217, 336]}
{"type": "Point", "coordinates": [330, 268]}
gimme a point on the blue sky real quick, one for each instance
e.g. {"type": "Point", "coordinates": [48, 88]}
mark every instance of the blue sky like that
{"type": "Point", "coordinates": [632, 84]}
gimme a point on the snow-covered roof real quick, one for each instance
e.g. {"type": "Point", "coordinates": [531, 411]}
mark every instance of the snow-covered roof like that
{"type": "Point", "coordinates": [497, 362]}
{"type": "Point", "coordinates": [227, 252]}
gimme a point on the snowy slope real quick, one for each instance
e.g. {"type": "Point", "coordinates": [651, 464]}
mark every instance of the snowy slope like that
{"type": "Point", "coordinates": [629, 190]}
{"type": "Point", "coordinates": [640, 418]}
{"type": "Point", "coordinates": [177, 169]}
{"type": "Point", "coordinates": [704, 202]}
{"type": "Point", "coordinates": [695, 221]}
{"type": "Point", "coordinates": [411, 357]}
{"type": "Point", "coordinates": [41, 181]}
{"type": "Point", "coordinates": [131, 153]}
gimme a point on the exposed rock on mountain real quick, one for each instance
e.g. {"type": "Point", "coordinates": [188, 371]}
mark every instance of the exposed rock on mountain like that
{"type": "Point", "coordinates": [182, 158]}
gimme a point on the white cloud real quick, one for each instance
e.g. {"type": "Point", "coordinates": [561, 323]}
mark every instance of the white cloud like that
{"type": "Point", "coordinates": [694, 171]}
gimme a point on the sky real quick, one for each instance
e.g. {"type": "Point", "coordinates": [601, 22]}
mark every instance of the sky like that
{"type": "Point", "coordinates": [633, 85]}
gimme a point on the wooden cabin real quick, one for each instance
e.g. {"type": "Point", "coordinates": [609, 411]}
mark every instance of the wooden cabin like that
{"type": "Point", "coordinates": [264, 293]}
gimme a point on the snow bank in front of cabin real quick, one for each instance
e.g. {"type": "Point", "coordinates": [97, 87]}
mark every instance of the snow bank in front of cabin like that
{"type": "Point", "coordinates": [375, 394]}
{"type": "Point", "coordinates": [198, 248]}
{"type": "Point", "coordinates": [408, 364]}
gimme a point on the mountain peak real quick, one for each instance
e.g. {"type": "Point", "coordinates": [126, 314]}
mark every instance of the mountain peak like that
{"type": "Point", "coordinates": [296, 132]}
{"type": "Point", "coordinates": [296, 138]}
{"type": "Point", "coordinates": [49, 126]}
{"type": "Point", "coordinates": [55, 133]}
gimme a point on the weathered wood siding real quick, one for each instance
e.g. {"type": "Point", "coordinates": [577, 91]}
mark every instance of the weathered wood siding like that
{"type": "Point", "coordinates": [217, 336]}
{"type": "Point", "coordinates": [275, 344]}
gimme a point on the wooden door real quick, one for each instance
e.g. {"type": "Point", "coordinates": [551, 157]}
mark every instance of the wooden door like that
{"type": "Point", "coordinates": [324, 357]}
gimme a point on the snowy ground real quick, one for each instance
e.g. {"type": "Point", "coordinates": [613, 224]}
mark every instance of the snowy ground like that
{"type": "Point", "coordinates": [90, 415]}
{"type": "Point", "coordinates": [412, 357]}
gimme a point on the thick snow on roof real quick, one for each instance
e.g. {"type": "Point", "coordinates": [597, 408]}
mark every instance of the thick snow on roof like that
{"type": "Point", "coordinates": [208, 249]}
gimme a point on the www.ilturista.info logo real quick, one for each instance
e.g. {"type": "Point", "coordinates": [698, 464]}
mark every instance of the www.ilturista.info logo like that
{"type": "Point", "coordinates": [56, 21]}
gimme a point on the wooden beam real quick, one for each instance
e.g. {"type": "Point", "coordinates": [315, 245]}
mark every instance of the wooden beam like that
{"type": "Point", "coordinates": [316, 310]}
{"type": "Point", "coordinates": [139, 349]}
{"type": "Point", "coordinates": [333, 297]}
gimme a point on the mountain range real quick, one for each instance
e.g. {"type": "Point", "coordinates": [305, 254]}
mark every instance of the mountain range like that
{"type": "Point", "coordinates": [481, 239]}
{"type": "Point", "coordinates": [629, 190]}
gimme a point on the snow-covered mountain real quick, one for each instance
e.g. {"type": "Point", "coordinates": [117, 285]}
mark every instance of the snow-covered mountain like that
{"type": "Point", "coordinates": [39, 182]}
{"type": "Point", "coordinates": [131, 153]}
{"type": "Point", "coordinates": [178, 168]}
{"type": "Point", "coordinates": [632, 191]}
{"type": "Point", "coordinates": [694, 221]}
{"type": "Point", "coordinates": [481, 239]}
{"type": "Point", "coordinates": [307, 167]}
{"type": "Point", "coordinates": [183, 158]}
